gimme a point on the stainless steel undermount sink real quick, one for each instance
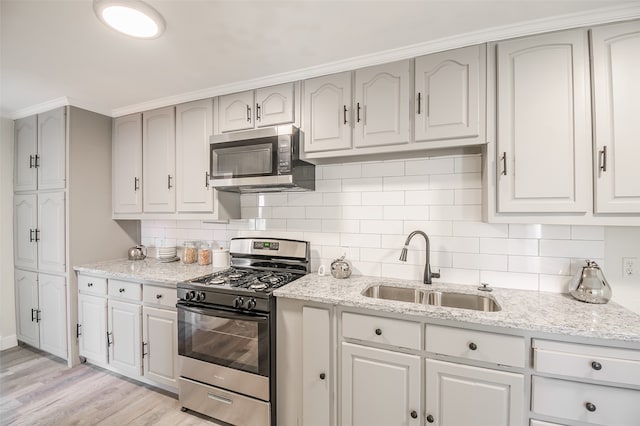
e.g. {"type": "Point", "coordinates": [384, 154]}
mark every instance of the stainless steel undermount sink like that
{"type": "Point", "coordinates": [431, 297]}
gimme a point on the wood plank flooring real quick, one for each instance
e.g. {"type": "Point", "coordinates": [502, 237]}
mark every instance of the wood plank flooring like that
{"type": "Point", "coordinates": [39, 389]}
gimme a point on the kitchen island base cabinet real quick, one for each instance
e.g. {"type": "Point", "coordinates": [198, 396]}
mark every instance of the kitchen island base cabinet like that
{"type": "Point", "coordinates": [160, 345]}
{"type": "Point", "coordinates": [462, 395]}
{"type": "Point", "coordinates": [379, 387]}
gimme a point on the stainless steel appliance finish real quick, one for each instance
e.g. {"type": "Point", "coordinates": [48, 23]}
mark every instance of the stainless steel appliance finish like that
{"type": "Point", "coordinates": [261, 160]}
{"type": "Point", "coordinates": [589, 284]}
{"type": "Point", "coordinates": [226, 330]}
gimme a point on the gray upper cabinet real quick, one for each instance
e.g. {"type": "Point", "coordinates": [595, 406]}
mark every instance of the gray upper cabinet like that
{"type": "Point", "coordinates": [616, 66]}
{"type": "Point", "coordinates": [543, 131]}
{"type": "Point", "coordinates": [449, 95]}
{"type": "Point", "coordinates": [40, 157]}
{"type": "Point", "coordinates": [266, 106]}
{"type": "Point", "coordinates": [159, 160]}
{"type": "Point", "coordinates": [127, 164]}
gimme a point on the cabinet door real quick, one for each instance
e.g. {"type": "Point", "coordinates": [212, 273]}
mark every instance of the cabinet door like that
{"type": "Point", "coordinates": [52, 154]}
{"type": "Point", "coordinates": [317, 376]}
{"type": "Point", "coordinates": [275, 105]}
{"type": "Point", "coordinates": [488, 397]}
{"type": "Point", "coordinates": [616, 61]}
{"type": "Point", "coordinates": [52, 294]}
{"type": "Point", "coordinates": [51, 231]}
{"type": "Point", "coordinates": [235, 111]}
{"type": "Point", "coordinates": [159, 160]}
{"type": "Point", "coordinates": [448, 94]}
{"type": "Point", "coordinates": [193, 129]}
{"type": "Point", "coordinates": [543, 144]}
{"type": "Point", "coordinates": [92, 318]}
{"type": "Point", "coordinates": [379, 387]}
{"type": "Point", "coordinates": [160, 337]}
{"type": "Point", "coordinates": [27, 307]}
{"type": "Point", "coordinates": [25, 177]}
{"type": "Point", "coordinates": [327, 113]}
{"type": "Point", "coordinates": [25, 222]}
{"type": "Point", "coordinates": [125, 334]}
{"type": "Point", "coordinates": [382, 105]}
{"type": "Point", "coordinates": [127, 164]}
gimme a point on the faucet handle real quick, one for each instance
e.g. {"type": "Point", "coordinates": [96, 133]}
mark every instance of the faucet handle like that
{"type": "Point", "coordinates": [435, 274]}
{"type": "Point", "coordinates": [484, 287]}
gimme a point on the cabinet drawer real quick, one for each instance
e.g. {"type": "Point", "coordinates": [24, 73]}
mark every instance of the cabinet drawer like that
{"type": "Point", "coordinates": [162, 296]}
{"type": "Point", "coordinates": [388, 331]}
{"type": "Point", "coordinates": [584, 402]}
{"type": "Point", "coordinates": [476, 345]}
{"type": "Point", "coordinates": [541, 423]}
{"type": "Point", "coordinates": [92, 285]}
{"type": "Point", "coordinates": [125, 290]}
{"type": "Point", "coordinates": [587, 362]}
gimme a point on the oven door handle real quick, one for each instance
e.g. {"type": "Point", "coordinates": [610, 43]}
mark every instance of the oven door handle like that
{"type": "Point", "coordinates": [245, 316]}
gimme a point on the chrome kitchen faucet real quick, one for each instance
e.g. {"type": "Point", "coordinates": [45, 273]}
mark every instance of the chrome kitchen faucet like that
{"type": "Point", "coordinates": [427, 267]}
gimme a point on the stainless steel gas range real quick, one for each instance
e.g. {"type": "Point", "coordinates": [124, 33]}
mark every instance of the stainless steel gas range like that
{"type": "Point", "coordinates": [227, 331]}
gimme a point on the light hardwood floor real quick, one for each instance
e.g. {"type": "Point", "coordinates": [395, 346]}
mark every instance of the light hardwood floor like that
{"type": "Point", "coordinates": [39, 389]}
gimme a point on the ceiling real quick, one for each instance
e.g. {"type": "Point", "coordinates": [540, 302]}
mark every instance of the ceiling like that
{"type": "Point", "coordinates": [51, 48]}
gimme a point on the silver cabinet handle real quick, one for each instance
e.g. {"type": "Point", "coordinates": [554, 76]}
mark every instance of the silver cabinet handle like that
{"type": "Point", "coordinates": [37, 162]}
{"type": "Point", "coordinates": [31, 161]}
{"type": "Point", "coordinates": [206, 179]}
{"type": "Point", "coordinates": [344, 113]}
{"type": "Point", "coordinates": [258, 117]}
{"type": "Point", "coordinates": [419, 101]}
{"type": "Point", "coordinates": [220, 398]}
{"type": "Point", "coordinates": [248, 113]}
{"type": "Point", "coordinates": [158, 296]}
{"type": "Point", "coordinates": [136, 185]}
{"type": "Point", "coordinates": [504, 163]}
{"type": "Point", "coordinates": [121, 290]}
{"type": "Point", "coordinates": [358, 112]}
{"type": "Point", "coordinates": [603, 158]}
{"type": "Point", "coordinates": [169, 181]}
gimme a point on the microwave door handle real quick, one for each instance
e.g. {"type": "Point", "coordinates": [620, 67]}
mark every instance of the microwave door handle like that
{"type": "Point", "coordinates": [222, 313]}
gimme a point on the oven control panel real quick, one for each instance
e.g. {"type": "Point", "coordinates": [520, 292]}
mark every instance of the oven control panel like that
{"type": "Point", "coordinates": [266, 245]}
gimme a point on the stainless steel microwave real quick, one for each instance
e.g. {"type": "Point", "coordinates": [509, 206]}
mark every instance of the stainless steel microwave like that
{"type": "Point", "coordinates": [261, 160]}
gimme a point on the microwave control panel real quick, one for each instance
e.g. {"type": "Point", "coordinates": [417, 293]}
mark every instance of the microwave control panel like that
{"type": "Point", "coordinates": [284, 155]}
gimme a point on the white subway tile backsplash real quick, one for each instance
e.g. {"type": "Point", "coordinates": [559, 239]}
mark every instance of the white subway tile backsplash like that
{"type": "Point", "coordinates": [366, 211]}
{"type": "Point", "coordinates": [362, 212]}
{"type": "Point", "coordinates": [387, 168]}
{"type": "Point", "coordinates": [381, 226]}
{"type": "Point", "coordinates": [572, 248]}
{"type": "Point", "coordinates": [395, 198]}
{"type": "Point", "coordinates": [406, 212]}
{"type": "Point", "coordinates": [540, 265]}
{"type": "Point", "coordinates": [430, 166]}
{"type": "Point", "coordinates": [406, 183]}
{"type": "Point", "coordinates": [513, 246]}
{"type": "Point", "coordinates": [587, 233]}
{"type": "Point", "coordinates": [455, 213]}
{"type": "Point", "coordinates": [342, 198]}
{"type": "Point", "coordinates": [425, 198]}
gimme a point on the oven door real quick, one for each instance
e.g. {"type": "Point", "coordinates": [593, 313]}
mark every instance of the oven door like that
{"type": "Point", "coordinates": [232, 339]}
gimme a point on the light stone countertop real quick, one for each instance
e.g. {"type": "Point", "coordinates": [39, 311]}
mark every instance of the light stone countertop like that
{"type": "Point", "coordinates": [524, 310]}
{"type": "Point", "coordinates": [148, 271]}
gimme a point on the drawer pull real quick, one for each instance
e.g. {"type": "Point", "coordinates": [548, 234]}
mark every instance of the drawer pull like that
{"type": "Point", "coordinates": [378, 332]}
{"type": "Point", "coordinates": [596, 365]}
{"type": "Point", "coordinates": [322, 376]}
{"type": "Point", "coordinates": [414, 414]}
{"type": "Point", "coordinates": [220, 398]}
{"type": "Point", "coordinates": [473, 346]}
{"type": "Point", "coordinates": [121, 290]}
{"type": "Point", "coordinates": [430, 418]}
{"type": "Point", "coordinates": [590, 407]}
{"type": "Point", "coordinates": [158, 296]}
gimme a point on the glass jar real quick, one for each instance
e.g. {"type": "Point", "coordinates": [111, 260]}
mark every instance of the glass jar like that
{"type": "Point", "coordinates": [204, 254]}
{"type": "Point", "coordinates": [189, 252]}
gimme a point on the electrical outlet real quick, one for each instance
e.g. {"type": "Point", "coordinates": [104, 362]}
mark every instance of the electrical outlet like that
{"type": "Point", "coordinates": [629, 267]}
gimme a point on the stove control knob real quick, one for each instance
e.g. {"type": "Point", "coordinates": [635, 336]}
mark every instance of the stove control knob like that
{"type": "Point", "coordinates": [238, 302]}
{"type": "Point", "coordinates": [190, 295]}
{"type": "Point", "coordinates": [251, 303]}
{"type": "Point", "coordinates": [200, 297]}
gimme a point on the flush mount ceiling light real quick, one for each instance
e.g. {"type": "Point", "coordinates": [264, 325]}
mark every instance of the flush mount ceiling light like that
{"type": "Point", "coordinates": [131, 17]}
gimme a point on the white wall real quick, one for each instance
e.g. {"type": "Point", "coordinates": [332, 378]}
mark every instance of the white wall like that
{"type": "Point", "coordinates": [623, 242]}
{"type": "Point", "coordinates": [367, 209]}
{"type": "Point", "coordinates": [7, 307]}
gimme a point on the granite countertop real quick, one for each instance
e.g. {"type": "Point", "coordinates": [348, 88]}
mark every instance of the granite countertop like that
{"type": "Point", "coordinates": [523, 310]}
{"type": "Point", "coordinates": [148, 270]}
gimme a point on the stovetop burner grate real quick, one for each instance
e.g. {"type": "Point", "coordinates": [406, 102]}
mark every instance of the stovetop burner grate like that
{"type": "Point", "coordinates": [248, 279]}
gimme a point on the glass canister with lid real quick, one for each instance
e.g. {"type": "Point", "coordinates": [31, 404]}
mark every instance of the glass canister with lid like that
{"type": "Point", "coordinates": [189, 252]}
{"type": "Point", "coordinates": [204, 254]}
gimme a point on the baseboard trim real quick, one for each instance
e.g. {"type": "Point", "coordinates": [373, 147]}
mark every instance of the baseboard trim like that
{"type": "Point", "coordinates": [7, 342]}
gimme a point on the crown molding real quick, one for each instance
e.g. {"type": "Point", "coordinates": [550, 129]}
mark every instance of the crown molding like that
{"type": "Point", "coordinates": [59, 102]}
